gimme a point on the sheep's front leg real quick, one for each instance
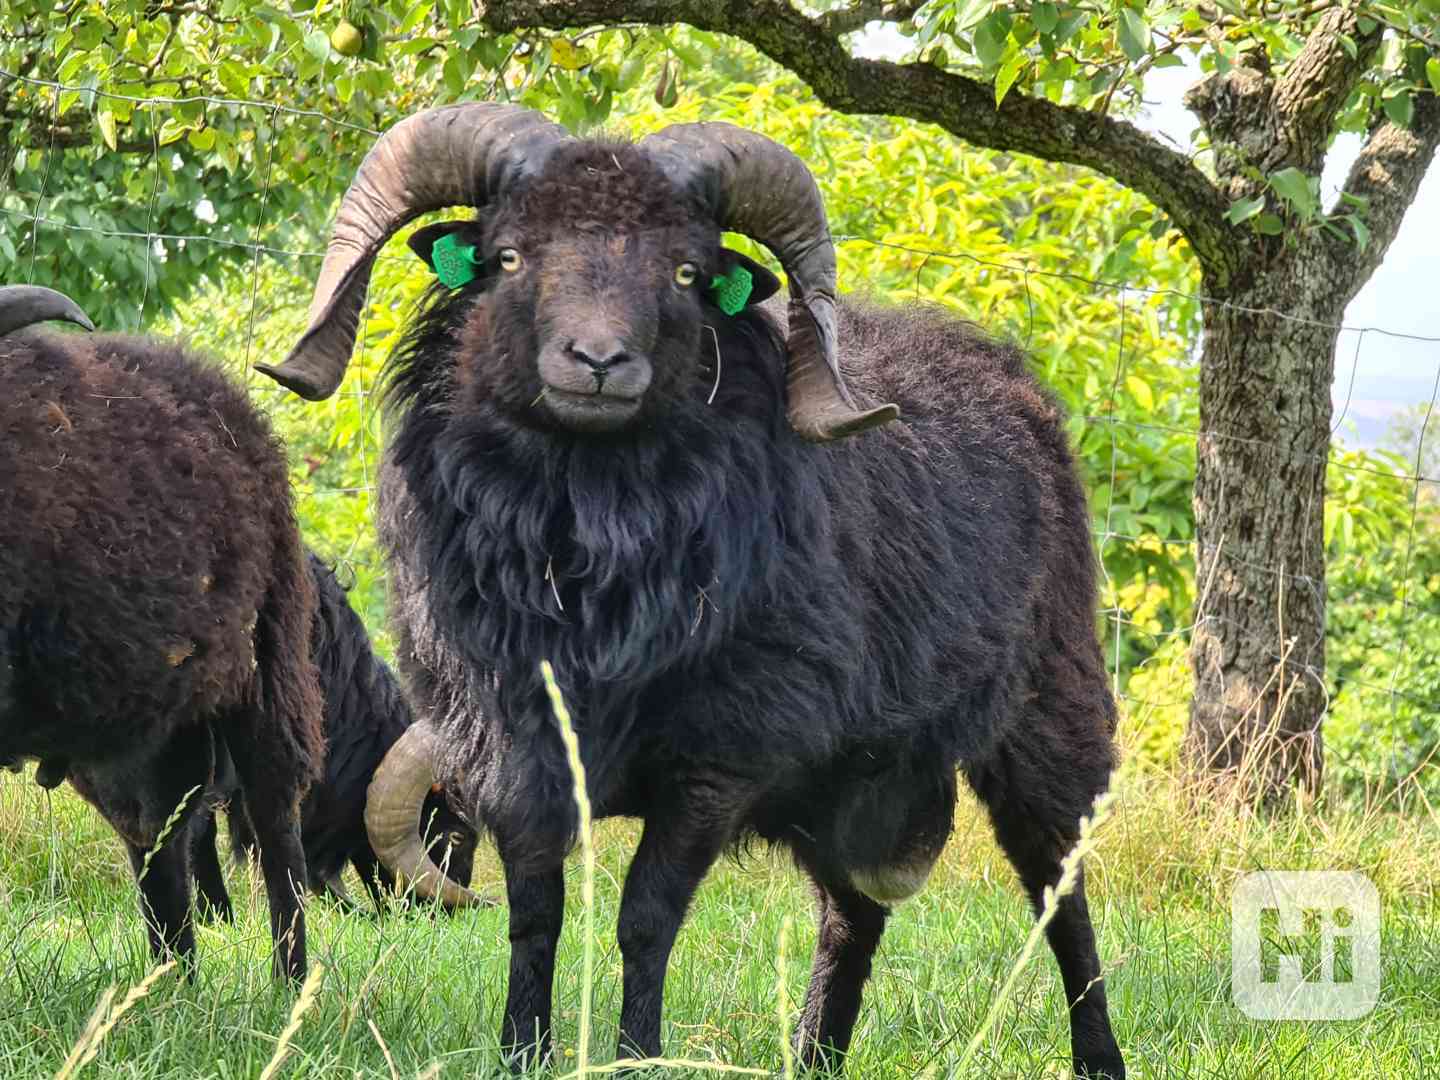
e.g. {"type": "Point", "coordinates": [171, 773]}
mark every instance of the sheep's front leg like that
{"type": "Point", "coordinates": [676, 851]}
{"type": "Point", "coordinates": [537, 910]}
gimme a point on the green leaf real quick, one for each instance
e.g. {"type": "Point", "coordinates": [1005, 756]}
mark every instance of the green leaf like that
{"type": "Point", "coordinates": [1400, 108]}
{"type": "Point", "coordinates": [1141, 391]}
{"type": "Point", "coordinates": [317, 44]}
{"type": "Point", "coordinates": [1269, 224]}
{"type": "Point", "coordinates": [1244, 209]}
{"type": "Point", "coordinates": [233, 79]}
{"type": "Point", "coordinates": [970, 13]}
{"type": "Point", "coordinates": [1069, 24]}
{"type": "Point", "coordinates": [565, 54]}
{"type": "Point", "coordinates": [1361, 230]}
{"type": "Point", "coordinates": [1008, 73]}
{"type": "Point", "coordinates": [1293, 186]}
{"type": "Point", "coordinates": [990, 38]}
{"type": "Point", "coordinates": [106, 119]}
{"type": "Point", "coordinates": [630, 72]}
{"type": "Point", "coordinates": [1045, 17]}
{"type": "Point", "coordinates": [172, 130]}
{"type": "Point", "coordinates": [1432, 73]}
{"type": "Point", "coordinates": [1133, 33]}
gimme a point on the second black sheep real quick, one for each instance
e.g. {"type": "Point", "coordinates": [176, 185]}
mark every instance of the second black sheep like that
{"type": "Point", "coordinates": [365, 713]}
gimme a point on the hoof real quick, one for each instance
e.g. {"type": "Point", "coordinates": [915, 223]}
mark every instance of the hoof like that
{"type": "Point", "coordinates": [1108, 1065]}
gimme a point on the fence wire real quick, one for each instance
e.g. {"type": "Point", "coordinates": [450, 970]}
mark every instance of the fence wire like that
{"type": "Point", "coordinates": [35, 222]}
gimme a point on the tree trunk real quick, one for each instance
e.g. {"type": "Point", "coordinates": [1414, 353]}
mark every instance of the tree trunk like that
{"type": "Point", "coordinates": [1259, 642]}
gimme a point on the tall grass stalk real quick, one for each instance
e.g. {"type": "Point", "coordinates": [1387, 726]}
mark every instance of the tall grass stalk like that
{"type": "Point", "coordinates": [782, 1000]}
{"type": "Point", "coordinates": [308, 993]}
{"type": "Point", "coordinates": [587, 854]}
{"type": "Point", "coordinates": [103, 1021]}
{"type": "Point", "coordinates": [165, 831]}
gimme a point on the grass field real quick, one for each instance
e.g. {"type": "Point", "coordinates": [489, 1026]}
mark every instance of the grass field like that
{"type": "Point", "coordinates": [415, 993]}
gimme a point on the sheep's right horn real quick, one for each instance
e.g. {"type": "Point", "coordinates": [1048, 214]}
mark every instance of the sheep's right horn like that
{"type": "Point", "coordinates": [25, 305]}
{"type": "Point", "coordinates": [457, 155]}
{"type": "Point", "coordinates": [393, 806]}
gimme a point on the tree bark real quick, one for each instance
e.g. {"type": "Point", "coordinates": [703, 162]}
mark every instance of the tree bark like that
{"type": "Point", "coordinates": [1258, 648]}
{"type": "Point", "coordinates": [1271, 317]}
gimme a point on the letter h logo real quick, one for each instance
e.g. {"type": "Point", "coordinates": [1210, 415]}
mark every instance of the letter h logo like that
{"type": "Point", "coordinates": [1305, 945]}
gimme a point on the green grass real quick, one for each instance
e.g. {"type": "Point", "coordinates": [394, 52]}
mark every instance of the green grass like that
{"type": "Point", "coordinates": [433, 986]}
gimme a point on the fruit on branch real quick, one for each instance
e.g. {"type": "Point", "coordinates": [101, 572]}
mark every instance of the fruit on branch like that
{"type": "Point", "coordinates": [346, 38]}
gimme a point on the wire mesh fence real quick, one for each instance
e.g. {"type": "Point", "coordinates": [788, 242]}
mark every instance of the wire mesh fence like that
{"type": "Point", "coordinates": [39, 220]}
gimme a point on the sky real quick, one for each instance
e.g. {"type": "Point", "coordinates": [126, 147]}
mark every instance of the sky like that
{"type": "Point", "coordinates": [1376, 373]}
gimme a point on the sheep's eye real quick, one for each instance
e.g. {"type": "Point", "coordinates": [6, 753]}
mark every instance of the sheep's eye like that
{"type": "Point", "coordinates": [456, 839]}
{"type": "Point", "coordinates": [510, 260]}
{"type": "Point", "coordinates": [685, 274]}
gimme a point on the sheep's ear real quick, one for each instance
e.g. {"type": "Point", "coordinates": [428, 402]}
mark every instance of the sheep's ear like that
{"type": "Point", "coordinates": [422, 241]}
{"type": "Point", "coordinates": [451, 250]}
{"type": "Point", "coordinates": [763, 284]}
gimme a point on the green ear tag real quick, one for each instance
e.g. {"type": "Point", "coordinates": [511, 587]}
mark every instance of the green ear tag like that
{"type": "Point", "coordinates": [454, 265]}
{"type": "Point", "coordinates": [731, 291]}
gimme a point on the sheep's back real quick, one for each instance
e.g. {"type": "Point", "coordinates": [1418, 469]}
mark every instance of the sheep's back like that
{"type": "Point", "coordinates": [965, 525]}
{"type": "Point", "coordinates": [138, 521]}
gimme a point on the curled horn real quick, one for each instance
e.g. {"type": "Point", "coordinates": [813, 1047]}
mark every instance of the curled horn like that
{"type": "Point", "coordinates": [458, 155]}
{"type": "Point", "coordinates": [393, 805]}
{"type": "Point", "coordinates": [24, 305]}
{"type": "Point", "coordinates": [757, 187]}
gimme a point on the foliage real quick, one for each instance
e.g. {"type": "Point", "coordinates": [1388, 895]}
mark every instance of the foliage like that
{"type": "Point", "coordinates": [156, 143]}
{"type": "Point", "coordinates": [1382, 638]}
{"type": "Point", "coordinates": [1096, 55]}
{"type": "Point", "coordinates": [1383, 627]}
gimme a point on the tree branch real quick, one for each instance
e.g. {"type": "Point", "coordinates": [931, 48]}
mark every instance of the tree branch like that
{"type": "Point", "coordinates": [962, 106]}
{"type": "Point", "coordinates": [1256, 121]}
{"type": "Point", "coordinates": [847, 19]}
{"type": "Point", "coordinates": [1317, 82]}
{"type": "Point", "coordinates": [1385, 177]}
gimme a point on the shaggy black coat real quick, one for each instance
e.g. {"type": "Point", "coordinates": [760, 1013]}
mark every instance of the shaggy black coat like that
{"type": "Point", "coordinates": [154, 605]}
{"type": "Point", "coordinates": [365, 713]}
{"type": "Point", "coordinates": [757, 636]}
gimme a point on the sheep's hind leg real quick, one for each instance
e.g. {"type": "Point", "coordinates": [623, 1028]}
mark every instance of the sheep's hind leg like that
{"type": "Point", "coordinates": [1036, 810]}
{"type": "Point", "coordinates": [163, 876]}
{"type": "Point", "coordinates": [150, 800]}
{"type": "Point", "coordinates": [272, 797]}
{"type": "Point", "coordinates": [850, 925]}
{"type": "Point", "coordinates": [212, 900]}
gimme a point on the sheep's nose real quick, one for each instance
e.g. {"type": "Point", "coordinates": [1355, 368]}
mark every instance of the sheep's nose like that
{"type": "Point", "coordinates": [598, 354]}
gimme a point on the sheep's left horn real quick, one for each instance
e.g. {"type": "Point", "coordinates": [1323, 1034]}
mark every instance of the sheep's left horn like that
{"type": "Point", "coordinates": [393, 806]}
{"type": "Point", "coordinates": [757, 187]}
{"type": "Point", "coordinates": [24, 305]}
{"type": "Point", "coordinates": [457, 155]}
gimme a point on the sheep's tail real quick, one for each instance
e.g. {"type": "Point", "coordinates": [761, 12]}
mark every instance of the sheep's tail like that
{"type": "Point", "coordinates": [288, 681]}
